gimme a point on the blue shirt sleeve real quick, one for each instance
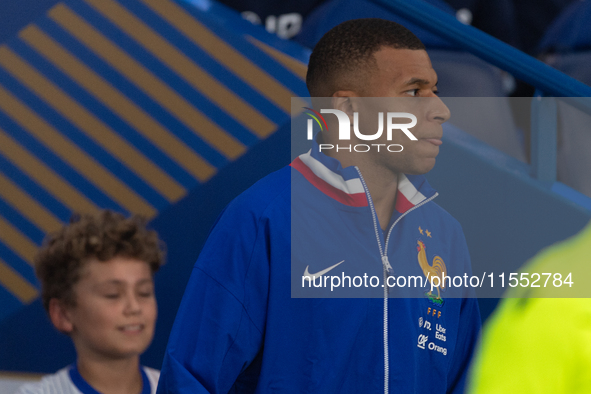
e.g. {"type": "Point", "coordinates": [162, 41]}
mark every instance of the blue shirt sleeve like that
{"type": "Point", "coordinates": [467, 338]}
{"type": "Point", "coordinates": [468, 328]}
{"type": "Point", "coordinates": [218, 329]}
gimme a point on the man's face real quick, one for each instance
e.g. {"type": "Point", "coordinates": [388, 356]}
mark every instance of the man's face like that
{"type": "Point", "coordinates": [115, 308]}
{"type": "Point", "coordinates": [408, 78]}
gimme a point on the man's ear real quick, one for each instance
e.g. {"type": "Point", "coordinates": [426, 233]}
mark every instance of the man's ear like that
{"type": "Point", "coordinates": [344, 100]}
{"type": "Point", "coordinates": [59, 315]}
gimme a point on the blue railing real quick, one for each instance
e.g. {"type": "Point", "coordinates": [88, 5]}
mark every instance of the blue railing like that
{"type": "Point", "coordinates": [548, 81]}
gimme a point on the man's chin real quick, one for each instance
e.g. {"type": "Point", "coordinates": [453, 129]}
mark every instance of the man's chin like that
{"type": "Point", "coordinates": [421, 168]}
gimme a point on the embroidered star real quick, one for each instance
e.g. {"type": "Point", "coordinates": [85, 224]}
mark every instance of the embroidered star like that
{"type": "Point", "coordinates": [420, 229]}
{"type": "Point", "coordinates": [428, 233]}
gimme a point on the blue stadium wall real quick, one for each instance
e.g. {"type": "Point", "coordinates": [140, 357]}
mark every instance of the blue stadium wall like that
{"type": "Point", "coordinates": [151, 107]}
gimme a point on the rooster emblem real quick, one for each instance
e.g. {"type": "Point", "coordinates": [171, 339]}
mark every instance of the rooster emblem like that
{"type": "Point", "coordinates": [438, 267]}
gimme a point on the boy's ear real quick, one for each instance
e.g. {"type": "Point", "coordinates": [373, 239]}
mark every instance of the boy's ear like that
{"type": "Point", "coordinates": [58, 313]}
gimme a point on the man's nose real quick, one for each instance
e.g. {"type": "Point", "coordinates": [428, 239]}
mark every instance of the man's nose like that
{"type": "Point", "coordinates": [438, 111]}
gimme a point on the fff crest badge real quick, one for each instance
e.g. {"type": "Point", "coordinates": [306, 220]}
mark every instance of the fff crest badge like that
{"type": "Point", "coordinates": [432, 266]}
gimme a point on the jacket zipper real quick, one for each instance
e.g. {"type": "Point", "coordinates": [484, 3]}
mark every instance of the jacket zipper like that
{"type": "Point", "coordinates": [387, 268]}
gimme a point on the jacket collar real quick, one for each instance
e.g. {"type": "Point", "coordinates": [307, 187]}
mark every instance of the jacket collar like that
{"type": "Point", "coordinates": [344, 184]}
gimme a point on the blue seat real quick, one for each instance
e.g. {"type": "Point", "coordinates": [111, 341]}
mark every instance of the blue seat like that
{"type": "Point", "coordinates": [566, 46]}
{"type": "Point", "coordinates": [574, 136]}
{"type": "Point", "coordinates": [570, 31]}
{"type": "Point", "coordinates": [489, 118]}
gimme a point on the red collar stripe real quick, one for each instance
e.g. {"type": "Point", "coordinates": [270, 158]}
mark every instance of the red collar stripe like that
{"type": "Point", "coordinates": [338, 189]}
{"type": "Point", "coordinates": [402, 204]}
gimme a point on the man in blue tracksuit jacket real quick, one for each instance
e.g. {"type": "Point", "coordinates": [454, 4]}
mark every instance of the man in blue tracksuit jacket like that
{"type": "Point", "coordinates": [263, 311]}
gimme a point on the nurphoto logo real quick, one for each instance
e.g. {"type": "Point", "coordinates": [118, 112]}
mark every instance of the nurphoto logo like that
{"type": "Point", "coordinates": [345, 130]}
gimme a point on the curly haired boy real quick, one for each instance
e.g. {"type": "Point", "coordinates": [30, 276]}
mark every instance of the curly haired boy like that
{"type": "Point", "coordinates": [96, 276]}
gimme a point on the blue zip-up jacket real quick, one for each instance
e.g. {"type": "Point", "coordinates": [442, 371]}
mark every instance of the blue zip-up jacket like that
{"type": "Point", "coordinates": [238, 329]}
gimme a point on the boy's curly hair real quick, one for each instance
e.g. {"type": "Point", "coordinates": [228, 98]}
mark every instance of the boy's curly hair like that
{"type": "Point", "coordinates": [101, 236]}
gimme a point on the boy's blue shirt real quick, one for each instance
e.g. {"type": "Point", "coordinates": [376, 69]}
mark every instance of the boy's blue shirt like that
{"type": "Point", "coordinates": [238, 326]}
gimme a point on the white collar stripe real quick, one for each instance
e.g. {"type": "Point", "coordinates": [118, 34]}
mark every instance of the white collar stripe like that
{"type": "Point", "coordinates": [352, 186]}
{"type": "Point", "coordinates": [409, 190]}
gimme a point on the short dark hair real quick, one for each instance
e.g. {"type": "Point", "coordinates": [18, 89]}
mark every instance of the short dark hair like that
{"type": "Point", "coordinates": [101, 236]}
{"type": "Point", "coordinates": [348, 48]}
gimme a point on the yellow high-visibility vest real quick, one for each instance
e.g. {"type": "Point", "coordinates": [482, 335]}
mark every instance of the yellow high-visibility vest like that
{"type": "Point", "coordinates": [541, 341]}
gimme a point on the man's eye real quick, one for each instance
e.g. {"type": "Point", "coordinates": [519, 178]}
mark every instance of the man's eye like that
{"type": "Point", "coordinates": [413, 92]}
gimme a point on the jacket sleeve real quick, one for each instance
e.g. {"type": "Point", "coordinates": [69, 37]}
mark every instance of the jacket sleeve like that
{"type": "Point", "coordinates": [218, 329]}
{"type": "Point", "coordinates": [468, 328]}
{"type": "Point", "coordinates": [467, 338]}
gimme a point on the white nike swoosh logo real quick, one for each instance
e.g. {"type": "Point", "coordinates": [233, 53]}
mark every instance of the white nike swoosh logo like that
{"type": "Point", "coordinates": [307, 275]}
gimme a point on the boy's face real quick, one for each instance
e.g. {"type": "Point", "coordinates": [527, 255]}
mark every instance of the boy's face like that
{"type": "Point", "coordinates": [115, 308]}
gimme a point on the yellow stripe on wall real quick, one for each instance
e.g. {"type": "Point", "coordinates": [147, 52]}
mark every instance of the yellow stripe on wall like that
{"type": "Point", "coordinates": [185, 67]}
{"type": "Point", "coordinates": [72, 155]}
{"type": "Point", "coordinates": [223, 53]}
{"type": "Point", "coordinates": [112, 98]}
{"type": "Point", "coordinates": [194, 119]}
{"type": "Point", "coordinates": [17, 242]}
{"type": "Point", "coordinates": [294, 65]}
{"type": "Point", "coordinates": [44, 176]}
{"type": "Point", "coordinates": [16, 284]}
{"type": "Point", "coordinates": [27, 206]}
{"type": "Point", "coordinates": [93, 127]}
